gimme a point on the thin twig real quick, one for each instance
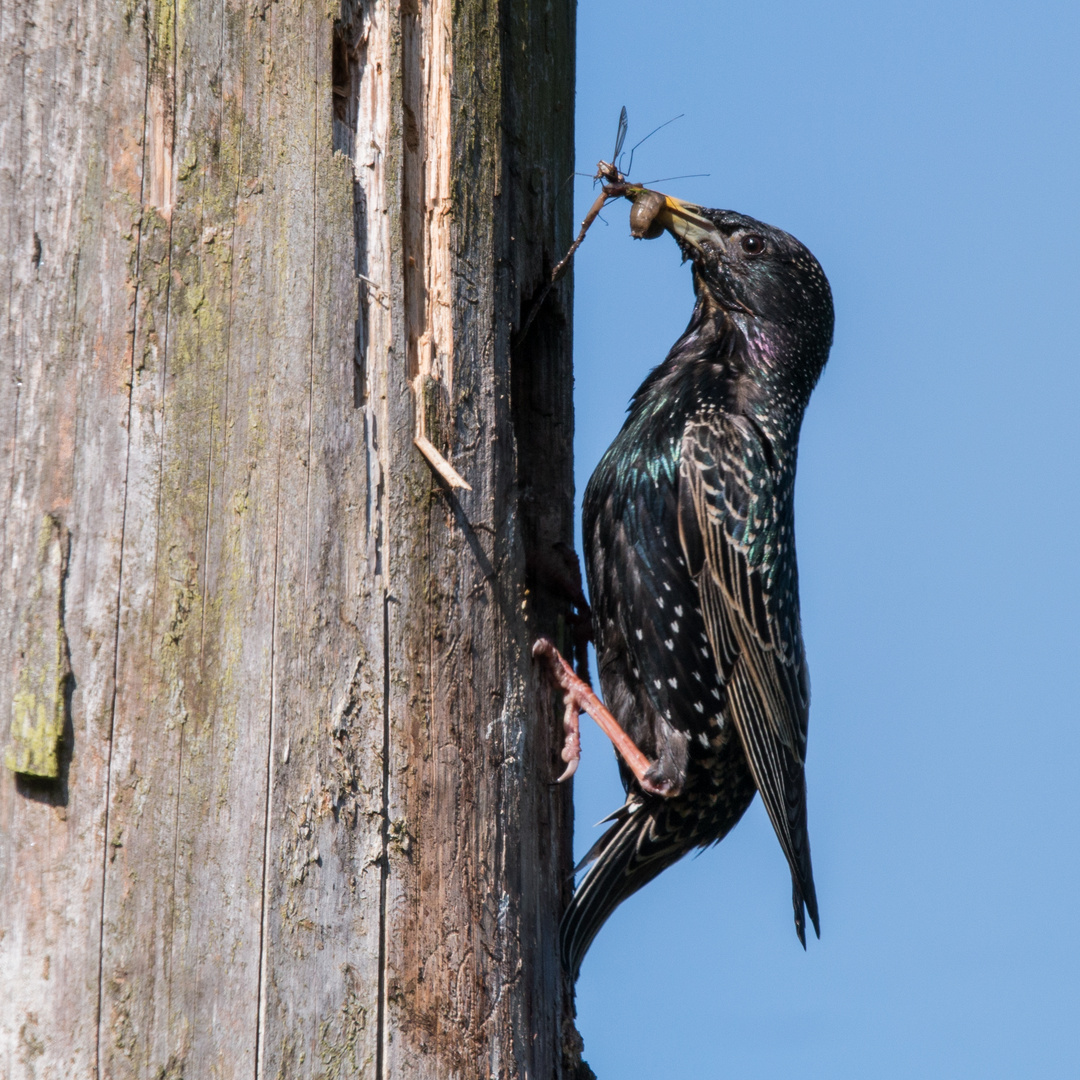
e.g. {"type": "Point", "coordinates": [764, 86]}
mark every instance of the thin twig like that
{"type": "Point", "coordinates": [614, 190]}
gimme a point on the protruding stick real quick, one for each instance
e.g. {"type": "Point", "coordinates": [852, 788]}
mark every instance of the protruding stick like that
{"type": "Point", "coordinates": [440, 464]}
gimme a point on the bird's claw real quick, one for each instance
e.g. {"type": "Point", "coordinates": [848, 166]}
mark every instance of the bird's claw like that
{"type": "Point", "coordinates": [568, 771]}
{"type": "Point", "coordinates": [571, 751]}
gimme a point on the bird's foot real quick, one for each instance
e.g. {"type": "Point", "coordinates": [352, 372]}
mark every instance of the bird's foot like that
{"type": "Point", "coordinates": [579, 698]}
{"type": "Point", "coordinates": [571, 751]}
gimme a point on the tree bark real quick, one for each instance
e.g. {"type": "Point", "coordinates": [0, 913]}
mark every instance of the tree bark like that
{"type": "Point", "coordinates": [278, 793]}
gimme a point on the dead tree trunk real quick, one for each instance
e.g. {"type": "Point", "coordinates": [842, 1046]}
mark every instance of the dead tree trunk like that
{"type": "Point", "coordinates": [277, 800]}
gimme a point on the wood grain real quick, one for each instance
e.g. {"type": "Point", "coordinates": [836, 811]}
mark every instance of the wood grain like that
{"type": "Point", "coordinates": [303, 822]}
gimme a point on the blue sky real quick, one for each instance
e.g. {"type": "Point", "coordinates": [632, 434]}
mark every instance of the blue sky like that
{"type": "Point", "coordinates": [929, 155]}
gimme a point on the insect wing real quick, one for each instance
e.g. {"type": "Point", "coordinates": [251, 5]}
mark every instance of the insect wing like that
{"type": "Point", "coordinates": [620, 137]}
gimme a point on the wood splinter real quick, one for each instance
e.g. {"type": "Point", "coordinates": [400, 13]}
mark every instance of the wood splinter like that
{"type": "Point", "coordinates": [440, 464]}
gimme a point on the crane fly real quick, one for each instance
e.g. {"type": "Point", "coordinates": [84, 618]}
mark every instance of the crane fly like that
{"type": "Point", "coordinates": [615, 186]}
{"type": "Point", "coordinates": [644, 223]}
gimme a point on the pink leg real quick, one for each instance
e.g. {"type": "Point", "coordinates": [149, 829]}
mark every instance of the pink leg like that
{"type": "Point", "coordinates": [579, 698]}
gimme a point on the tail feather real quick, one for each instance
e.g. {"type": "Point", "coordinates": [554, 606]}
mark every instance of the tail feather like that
{"type": "Point", "coordinates": [640, 844]}
{"type": "Point", "coordinates": [807, 897]}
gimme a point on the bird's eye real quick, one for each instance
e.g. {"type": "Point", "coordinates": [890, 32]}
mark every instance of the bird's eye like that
{"type": "Point", "coordinates": [753, 244]}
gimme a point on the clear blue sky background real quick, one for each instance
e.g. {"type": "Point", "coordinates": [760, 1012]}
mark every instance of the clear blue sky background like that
{"type": "Point", "coordinates": [929, 155]}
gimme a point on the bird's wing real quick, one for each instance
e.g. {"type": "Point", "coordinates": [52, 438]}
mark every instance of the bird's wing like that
{"type": "Point", "coordinates": [736, 527]}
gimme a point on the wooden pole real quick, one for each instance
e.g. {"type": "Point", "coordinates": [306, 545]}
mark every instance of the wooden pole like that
{"type": "Point", "coordinates": [277, 794]}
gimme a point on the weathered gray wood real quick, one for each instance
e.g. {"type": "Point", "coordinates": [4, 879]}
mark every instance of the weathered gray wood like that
{"type": "Point", "coordinates": [74, 79]}
{"type": "Point", "coordinates": [303, 823]}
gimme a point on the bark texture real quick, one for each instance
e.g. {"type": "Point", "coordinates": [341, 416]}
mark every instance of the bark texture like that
{"type": "Point", "coordinates": [277, 798]}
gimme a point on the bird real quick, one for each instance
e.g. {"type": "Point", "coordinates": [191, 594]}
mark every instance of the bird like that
{"type": "Point", "coordinates": [689, 545]}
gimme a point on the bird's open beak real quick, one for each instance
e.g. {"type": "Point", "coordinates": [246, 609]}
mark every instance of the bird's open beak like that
{"type": "Point", "coordinates": [654, 211]}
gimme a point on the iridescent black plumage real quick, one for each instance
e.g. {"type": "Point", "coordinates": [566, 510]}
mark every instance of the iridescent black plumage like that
{"type": "Point", "coordinates": [690, 556]}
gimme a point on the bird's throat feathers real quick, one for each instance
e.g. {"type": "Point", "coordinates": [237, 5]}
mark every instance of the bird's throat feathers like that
{"type": "Point", "coordinates": [730, 362]}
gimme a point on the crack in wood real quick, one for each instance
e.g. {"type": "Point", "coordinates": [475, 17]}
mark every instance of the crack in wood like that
{"type": "Point", "coordinates": [348, 67]}
{"type": "Point", "coordinates": [264, 913]}
{"type": "Point", "coordinates": [146, 119]}
{"type": "Point", "coordinates": [384, 859]}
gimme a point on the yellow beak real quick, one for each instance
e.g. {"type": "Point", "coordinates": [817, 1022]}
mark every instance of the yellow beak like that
{"type": "Point", "coordinates": [654, 211]}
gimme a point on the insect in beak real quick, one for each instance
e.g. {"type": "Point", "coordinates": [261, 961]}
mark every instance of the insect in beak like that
{"type": "Point", "coordinates": [653, 212]}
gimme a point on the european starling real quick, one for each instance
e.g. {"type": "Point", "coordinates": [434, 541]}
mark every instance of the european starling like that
{"type": "Point", "coordinates": [690, 557]}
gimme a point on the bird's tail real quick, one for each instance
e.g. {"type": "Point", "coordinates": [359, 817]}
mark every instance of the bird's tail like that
{"type": "Point", "coordinates": [643, 841]}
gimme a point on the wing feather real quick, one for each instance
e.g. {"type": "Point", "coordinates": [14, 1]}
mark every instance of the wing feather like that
{"type": "Point", "coordinates": [735, 518]}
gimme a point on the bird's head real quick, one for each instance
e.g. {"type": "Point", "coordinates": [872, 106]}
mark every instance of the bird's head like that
{"type": "Point", "coordinates": [745, 267]}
